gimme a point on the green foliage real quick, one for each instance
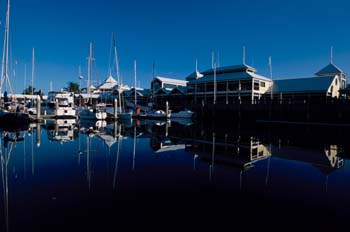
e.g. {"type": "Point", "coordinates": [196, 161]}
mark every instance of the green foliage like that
{"type": "Point", "coordinates": [29, 90]}
{"type": "Point", "coordinates": [73, 87]}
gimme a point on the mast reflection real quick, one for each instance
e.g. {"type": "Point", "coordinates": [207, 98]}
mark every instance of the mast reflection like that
{"type": "Point", "coordinates": [7, 145]}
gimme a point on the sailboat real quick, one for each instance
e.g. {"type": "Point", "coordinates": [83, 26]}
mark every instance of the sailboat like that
{"type": "Point", "coordinates": [121, 114]}
{"type": "Point", "coordinates": [97, 112]}
{"type": "Point", "coordinates": [10, 111]}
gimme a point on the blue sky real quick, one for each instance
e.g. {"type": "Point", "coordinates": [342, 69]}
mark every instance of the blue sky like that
{"type": "Point", "coordinates": [297, 34]}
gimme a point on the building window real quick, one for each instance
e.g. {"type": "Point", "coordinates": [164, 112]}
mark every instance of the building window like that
{"type": "Point", "coordinates": [221, 86]}
{"type": "Point", "coordinates": [262, 84]}
{"type": "Point", "coordinates": [233, 86]}
{"type": "Point", "coordinates": [190, 88]}
{"type": "Point", "coordinates": [210, 87]}
{"type": "Point", "coordinates": [246, 85]}
{"type": "Point", "coordinates": [200, 88]}
{"type": "Point", "coordinates": [169, 86]}
{"type": "Point", "coordinates": [336, 81]}
{"type": "Point", "coordinates": [256, 86]}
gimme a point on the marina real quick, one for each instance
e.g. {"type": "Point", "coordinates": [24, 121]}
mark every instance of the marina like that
{"type": "Point", "coordinates": [180, 116]}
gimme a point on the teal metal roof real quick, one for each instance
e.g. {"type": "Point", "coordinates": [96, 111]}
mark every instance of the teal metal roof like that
{"type": "Point", "coordinates": [193, 76]}
{"type": "Point", "coordinates": [230, 69]}
{"type": "Point", "coordinates": [243, 75]}
{"type": "Point", "coordinates": [310, 84]}
{"type": "Point", "coordinates": [329, 69]}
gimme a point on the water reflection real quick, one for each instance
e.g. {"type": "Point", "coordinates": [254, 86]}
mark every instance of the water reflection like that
{"type": "Point", "coordinates": [109, 160]}
{"type": "Point", "coordinates": [60, 130]}
{"type": "Point", "coordinates": [8, 142]}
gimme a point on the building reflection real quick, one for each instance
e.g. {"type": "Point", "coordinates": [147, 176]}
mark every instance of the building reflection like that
{"type": "Point", "coordinates": [326, 160]}
{"type": "Point", "coordinates": [244, 148]}
{"type": "Point", "coordinates": [238, 147]}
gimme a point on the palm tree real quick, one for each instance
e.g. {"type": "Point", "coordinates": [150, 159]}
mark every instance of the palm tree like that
{"type": "Point", "coordinates": [73, 87]}
{"type": "Point", "coordinates": [29, 90]}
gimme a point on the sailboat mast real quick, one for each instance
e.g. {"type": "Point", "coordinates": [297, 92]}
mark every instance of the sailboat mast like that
{"type": "Point", "coordinates": [135, 83]}
{"type": "Point", "coordinates": [33, 67]}
{"type": "Point", "coordinates": [214, 101]}
{"type": "Point", "coordinates": [89, 72]}
{"type": "Point", "coordinates": [243, 55]}
{"type": "Point", "coordinates": [116, 60]}
{"type": "Point", "coordinates": [270, 67]}
{"type": "Point", "coordinates": [153, 79]}
{"type": "Point", "coordinates": [80, 78]}
{"type": "Point", "coordinates": [118, 73]}
{"type": "Point", "coordinates": [5, 55]}
{"type": "Point", "coordinates": [25, 76]}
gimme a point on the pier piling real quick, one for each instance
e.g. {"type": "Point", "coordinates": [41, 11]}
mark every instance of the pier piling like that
{"type": "Point", "coordinates": [167, 109]}
{"type": "Point", "coordinates": [38, 108]}
{"type": "Point", "coordinates": [115, 108]}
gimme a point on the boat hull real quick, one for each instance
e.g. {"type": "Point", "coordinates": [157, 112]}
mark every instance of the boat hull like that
{"type": "Point", "coordinates": [14, 118]}
{"type": "Point", "coordinates": [88, 115]}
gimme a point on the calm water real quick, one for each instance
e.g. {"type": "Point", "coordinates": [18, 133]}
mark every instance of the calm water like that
{"type": "Point", "coordinates": [157, 175]}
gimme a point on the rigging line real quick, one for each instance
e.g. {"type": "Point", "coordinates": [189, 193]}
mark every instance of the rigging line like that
{"type": "Point", "coordinates": [116, 60]}
{"type": "Point", "coordinates": [96, 73]}
{"type": "Point", "coordinates": [110, 53]}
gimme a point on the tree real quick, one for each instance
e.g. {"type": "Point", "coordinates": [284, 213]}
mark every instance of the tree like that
{"type": "Point", "coordinates": [29, 90]}
{"type": "Point", "coordinates": [73, 87]}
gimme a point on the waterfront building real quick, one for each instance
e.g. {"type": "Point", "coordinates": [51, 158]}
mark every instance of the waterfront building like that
{"type": "Point", "coordinates": [166, 83]}
{"type": "Point", "coordinates": [328, 84]}
{"type": "Point", "coordinates": [108, 85]}
{"type": "Point", "coordinates": [177, 97]}
{"type": "Point", "coordinates": [142, 96]}
{"type": "Point", "coordinates": [310, 89]}
{"type": "Point", "coordinates": [106, 89]}
{"type": "Point", "coordinates": [332, 70]}
{"type": "Point", "coordinates": [90, 89]}
{"type": "Point", "coordinates": [162, 86]}
{"type": "Point", "coordinates": [227, 85]}
{"type": "Point", "coordinates": [83, 99]}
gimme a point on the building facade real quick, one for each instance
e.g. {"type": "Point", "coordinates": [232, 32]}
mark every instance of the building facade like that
{"type": "Point", "coordinates": [227, 85]}
{"type": "Point", "coordinates": [161, 88]}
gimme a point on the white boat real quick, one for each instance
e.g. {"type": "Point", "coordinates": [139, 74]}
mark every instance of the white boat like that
{"type": "Point", "coordinates": [97, 112]}
{"type": "Point", "coordinates": [157, 114]}
{"type": "Point", "coordinates": [60, 104]}
{"type": "Point", "coordinates": [182, 114]}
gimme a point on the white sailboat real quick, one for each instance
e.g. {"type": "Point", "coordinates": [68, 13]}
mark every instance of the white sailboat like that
{"type": "Point", "coordinates": [97, 112]}
{"type": "Point", "coordinates": [10, 112]}
{"type": "Point", "coordinates": [121, 114]}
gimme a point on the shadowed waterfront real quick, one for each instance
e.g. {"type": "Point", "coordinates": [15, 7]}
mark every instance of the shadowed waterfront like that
{"type": "Point", "coordinates": [63, 176]}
